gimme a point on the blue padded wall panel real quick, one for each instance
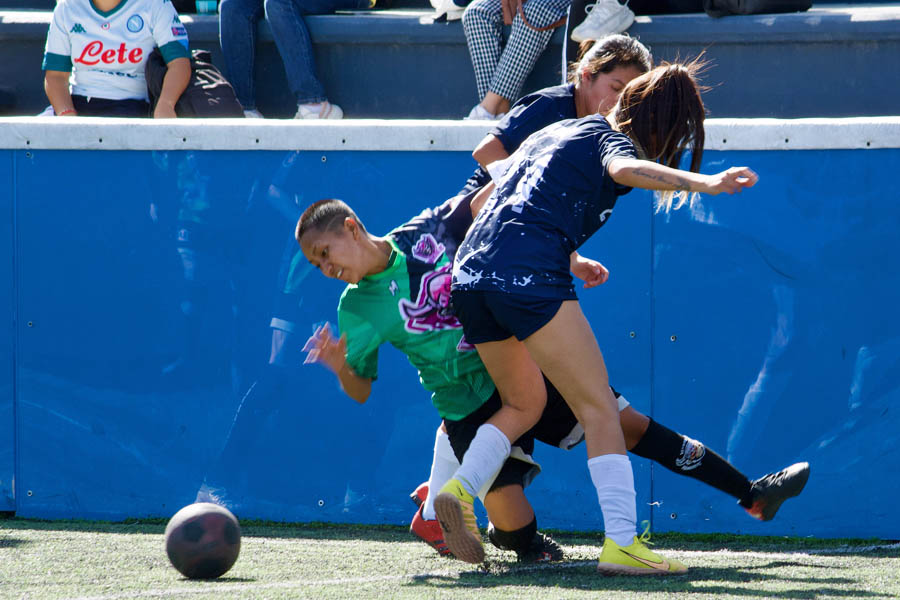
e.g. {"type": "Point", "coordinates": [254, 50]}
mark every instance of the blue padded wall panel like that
{"type": "Point", "coordinates": [783, 303]}
{"type": "Point", "coordinates": [7, 347]}
{"type": "Point", "coordinates": [763, 325]}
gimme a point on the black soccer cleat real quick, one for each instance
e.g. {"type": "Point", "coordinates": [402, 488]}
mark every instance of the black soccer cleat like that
{"type": "Point", "coordinates": [542, 549]}
{"type": "Point", "coordinates": [769, 491]}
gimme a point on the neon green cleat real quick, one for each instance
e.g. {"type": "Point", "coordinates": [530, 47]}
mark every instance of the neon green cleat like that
{"type": "Point", "coordinates": [455, 513]}
{"type": "Point", "coordinates": [636, 559]}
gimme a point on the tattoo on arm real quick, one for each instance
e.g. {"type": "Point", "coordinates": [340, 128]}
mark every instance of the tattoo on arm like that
{"type": "Point", "coordinates": [679, 183]}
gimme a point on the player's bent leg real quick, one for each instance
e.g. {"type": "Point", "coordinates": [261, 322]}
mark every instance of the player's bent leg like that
{"type": "Point", "coordinates": [513, 526]}
{"type": "Point", "coordinates": [634, 426]}
{"type": "Point", "coordinates": [507, 507]}
{"type": "Point", "coordinates": [566, 351]}
{"type": "Point", "coordinates": [519, 382]}
{"type": "Point", "coordinates": [768, 492]}
{"type": "Point", "coordinates": [688, 457]}
{"type": "Point", "coordinates": [520, 385]}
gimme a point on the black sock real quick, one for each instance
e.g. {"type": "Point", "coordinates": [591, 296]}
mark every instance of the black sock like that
{"type": "Point", "coordinates": [518, 541]}
{"type": "Point", "coordinates": [691, 458]}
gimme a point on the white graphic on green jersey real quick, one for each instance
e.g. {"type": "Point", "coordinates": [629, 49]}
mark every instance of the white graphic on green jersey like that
{"type": "Point", "coordinates": [431, 311]}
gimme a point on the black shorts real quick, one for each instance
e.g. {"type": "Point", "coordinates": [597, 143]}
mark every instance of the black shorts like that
{"type": "Point", "coordinates": [557, 427]}
{"type": "Point", "coordinates": [495, 316]}
{"type": "Point", "coordinates": [102, 107]}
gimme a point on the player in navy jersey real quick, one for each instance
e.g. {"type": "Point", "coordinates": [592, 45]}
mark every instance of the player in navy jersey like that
{"type": "Point", "coordinates": [513, 292]}
{"type": "Point", "coordinates": [598, 77]}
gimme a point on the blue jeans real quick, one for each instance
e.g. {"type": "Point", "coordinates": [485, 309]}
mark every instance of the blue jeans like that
{"type": "Point", "coordinates": [237, 35]}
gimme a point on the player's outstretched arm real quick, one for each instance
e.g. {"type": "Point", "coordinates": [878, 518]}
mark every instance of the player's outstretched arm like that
{"type": "Point", "coordinates": [324, 348]}
{"type": "Point", "coordinates": [649, 175]}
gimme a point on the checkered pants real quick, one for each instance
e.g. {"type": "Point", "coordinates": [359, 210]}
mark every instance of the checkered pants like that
{"type": "Point", "coordinates": [500, 69]}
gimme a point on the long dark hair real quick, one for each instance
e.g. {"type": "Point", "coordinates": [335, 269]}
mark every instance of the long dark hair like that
{"type": "Point", "coordinates": [663, 113]}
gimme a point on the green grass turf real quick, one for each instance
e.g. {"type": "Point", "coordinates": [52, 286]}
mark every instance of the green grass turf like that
{"type": "Point", "coordinates": [127, 560]}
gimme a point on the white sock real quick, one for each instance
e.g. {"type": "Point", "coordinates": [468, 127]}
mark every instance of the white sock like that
{"type": "Point", "coordinates": [485, 456]}
{"type": "Point", "coordinates": [443, 466]}
{"type": "Point", "coordinates": [614, 480]}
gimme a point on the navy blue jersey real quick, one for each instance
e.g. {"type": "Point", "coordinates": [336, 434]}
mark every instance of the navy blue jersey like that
{"type": "Point", "coordinates": [552, 194]}
{"type": "Point", "coordinates": [436, 231]}
{"type": "Point", "coordinates": [529, 114]}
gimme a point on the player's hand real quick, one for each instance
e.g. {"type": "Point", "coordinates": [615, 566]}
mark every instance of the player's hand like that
{"type": "Point", "coordinates": [588, 270]}
{"type": "Point", "coordinates": [733, 180]}
{"type": "Point", "coordinates": [324, 348]}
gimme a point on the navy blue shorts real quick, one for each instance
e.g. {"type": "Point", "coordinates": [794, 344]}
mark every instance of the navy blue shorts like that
{"type": "Point", "coordinates": [495, 316]}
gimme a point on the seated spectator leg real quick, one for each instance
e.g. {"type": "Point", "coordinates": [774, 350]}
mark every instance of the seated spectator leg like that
{"type": "Point", "coordinates": [525, 46]}
{"type": "Point", "coordinates": [237, 36]}
{"type": "Point", "coordinates": [295, 45]}
{"type": "Point", "coordinates": [483, 26]}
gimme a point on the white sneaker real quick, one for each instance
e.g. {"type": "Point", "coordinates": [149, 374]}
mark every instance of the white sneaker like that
{"type": "Point", "coordinates": [444, 10]}
{"type": "Point", "coordinates": [480, 113]}
{"type": "Point", "coordinates": [604, 18]}
{"type": "Point", "coordinates": [319, 110]}
{"type": "Point", "coordinates": [253, 114]}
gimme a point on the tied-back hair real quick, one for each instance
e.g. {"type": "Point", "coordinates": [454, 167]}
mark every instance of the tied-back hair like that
{"type": "Point", "coordinates": [608, 53]}
{"type": "Point", "coordinates": [663, 113]}
{"type": "Point", "coordinates": [325, 215]}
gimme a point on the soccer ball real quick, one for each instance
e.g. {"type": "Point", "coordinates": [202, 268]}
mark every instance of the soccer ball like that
{"type": "Point", "coordinates": [203, 540]}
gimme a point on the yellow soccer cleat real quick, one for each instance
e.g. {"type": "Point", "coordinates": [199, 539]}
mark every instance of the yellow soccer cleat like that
{"type": "Point", "coordinates": [455, 513]}
{"type": "Point", "coordinates": [636, 559]}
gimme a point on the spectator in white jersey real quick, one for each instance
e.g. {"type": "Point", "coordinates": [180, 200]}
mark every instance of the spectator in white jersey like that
{"type": "Point", "coordinates": [97, 51]}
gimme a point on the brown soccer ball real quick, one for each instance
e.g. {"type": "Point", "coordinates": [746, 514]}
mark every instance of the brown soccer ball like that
{"type": "Point", "coordinates": [203, 540]}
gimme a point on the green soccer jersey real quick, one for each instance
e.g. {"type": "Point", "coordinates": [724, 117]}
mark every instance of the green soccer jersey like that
{"type": "Point", "coordinates": [407, 305]}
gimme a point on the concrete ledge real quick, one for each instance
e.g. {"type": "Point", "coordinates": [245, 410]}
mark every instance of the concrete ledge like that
{"type": "Point", "coordinates": [405, 26]}
{"type": "Point", "coordinates": [85, 133]}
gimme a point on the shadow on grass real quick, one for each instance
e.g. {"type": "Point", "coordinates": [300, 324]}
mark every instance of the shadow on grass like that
{"type": "Point", "coordinates": [220, 580]}
{"type": "Point", "coordinates": [249, 529]}
{"type": "Point", "coordinates": [699, 580]}
{"type": "Point", "coordinates": [6, 542]}
{"type": "Point", "coordinates": [391, 533]}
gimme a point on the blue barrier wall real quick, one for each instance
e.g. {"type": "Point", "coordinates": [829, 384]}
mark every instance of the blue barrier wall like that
{"type": "Point", "coordinates": [762, 324]}
{"type": "Point", "coordinates": [7, 308]}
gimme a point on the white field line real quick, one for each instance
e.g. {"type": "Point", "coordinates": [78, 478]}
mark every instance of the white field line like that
{"type": "Point", "coordinates": [249, 587]}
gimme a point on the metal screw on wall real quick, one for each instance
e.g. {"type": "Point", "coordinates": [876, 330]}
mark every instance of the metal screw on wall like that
{"type": "Point", "coordinates": [673, 337]}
